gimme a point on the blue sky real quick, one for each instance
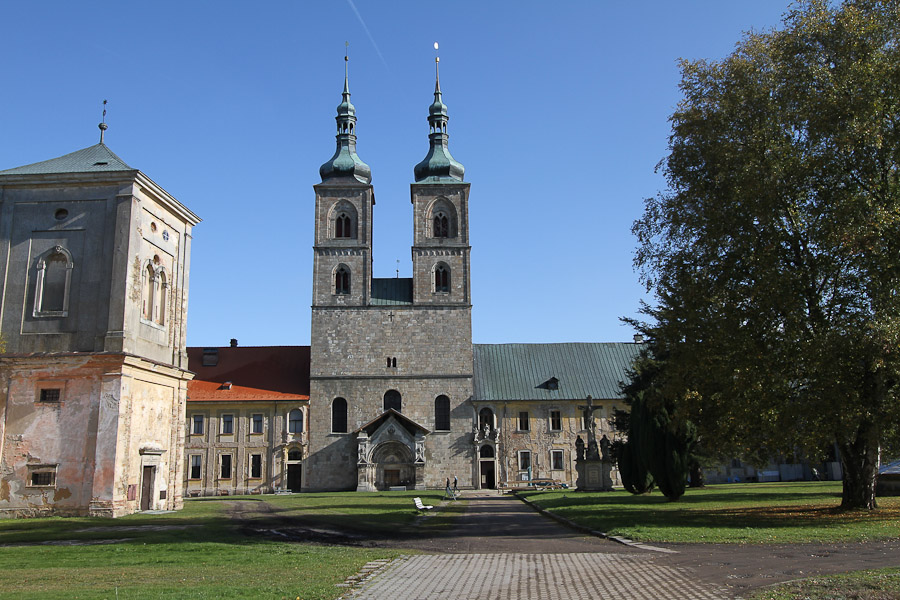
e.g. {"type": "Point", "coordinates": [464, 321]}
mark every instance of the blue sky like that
{"type": "Point", "coordinates": [559, 112]}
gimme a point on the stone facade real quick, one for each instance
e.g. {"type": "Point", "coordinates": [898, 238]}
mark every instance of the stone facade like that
{"type": "Point", "coordinates": [546, 431]}
{"type": "Point", "coordinates": [96, 261]}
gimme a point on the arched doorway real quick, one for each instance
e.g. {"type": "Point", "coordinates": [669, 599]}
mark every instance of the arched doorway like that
{"type": "Point", "coordinates": [487, 468]}
{"type": "Point", "coordinates": [394, 465]}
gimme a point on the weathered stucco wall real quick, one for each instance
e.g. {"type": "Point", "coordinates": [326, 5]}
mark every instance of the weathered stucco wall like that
{"type": "Point", "coordinates": [114, 415]}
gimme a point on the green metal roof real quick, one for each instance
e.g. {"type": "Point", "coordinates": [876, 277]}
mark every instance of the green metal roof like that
{"type": "Point", "coordinates": [93, 159]}
{"type": "Point", "coordinates": [522, 371]}
{"type": "Point", "coordinates": [391, 291]}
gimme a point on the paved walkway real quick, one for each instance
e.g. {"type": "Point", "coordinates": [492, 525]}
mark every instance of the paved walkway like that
{"type": "Point", "coordinates": [533, 577]}
{"type": "Point", "coordinates": [500, 548]}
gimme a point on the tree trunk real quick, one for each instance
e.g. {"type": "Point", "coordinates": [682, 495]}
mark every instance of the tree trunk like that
{"type": "Point", "coordinates": [697, 480]}
{"type": "Point", "coordinates": [859, 461]}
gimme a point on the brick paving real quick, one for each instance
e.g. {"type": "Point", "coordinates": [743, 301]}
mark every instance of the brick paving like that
{"type": "Point", "coordinates": [502, 549]}
{"type": "Point", "coordinates": [534, 576]}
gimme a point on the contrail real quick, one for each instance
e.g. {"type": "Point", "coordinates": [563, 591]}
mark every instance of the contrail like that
{"type": "Point", "coordinates": [368, 33]}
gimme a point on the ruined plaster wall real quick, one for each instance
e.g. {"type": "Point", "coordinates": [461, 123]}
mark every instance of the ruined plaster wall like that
{"type": "Point", "coordinates": [350, 348]}
{"type": "Point", "coordinates": [61, 433]}
{"type": "Point", "coordinates": [152, 406]}
{"type": "Point", "coordinates": [109, 414]}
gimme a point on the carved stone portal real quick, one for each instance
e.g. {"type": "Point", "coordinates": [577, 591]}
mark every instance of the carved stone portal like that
{"type": "Point", "coordinates": [390, 454]}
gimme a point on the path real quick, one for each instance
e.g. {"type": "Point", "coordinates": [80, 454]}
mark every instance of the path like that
{"type": "Point", "coordinates": [500, 548]}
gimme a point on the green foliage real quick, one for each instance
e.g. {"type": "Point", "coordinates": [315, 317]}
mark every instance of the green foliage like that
{"type": "Point", "coordinates": [774, 255]}
{"type": "Point", "coordinates": [751, 513]}
{"type": "Point", "coordinates": [627, 454]}
{"type": "Point", "coordinates": [660, 441]}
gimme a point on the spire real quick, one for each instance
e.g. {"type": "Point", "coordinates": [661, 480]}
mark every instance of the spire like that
{"type": "Point", "coordinates": [438, 165]}
{"type": "Point", "coordinates": [345, 163]}
{"type": "Point", "coordinates": [103, 126]}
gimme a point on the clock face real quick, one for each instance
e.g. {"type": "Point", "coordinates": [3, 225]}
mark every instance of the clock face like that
{"type": "Point", "coordinates": [166, 235]}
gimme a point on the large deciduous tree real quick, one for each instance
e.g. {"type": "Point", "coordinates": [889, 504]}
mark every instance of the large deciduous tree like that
{"type": "Point", "coordinates": [774, 254]}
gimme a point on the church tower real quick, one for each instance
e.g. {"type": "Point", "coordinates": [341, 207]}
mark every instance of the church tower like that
{"type": "Point", "coordinates": [440, 201]}
{"type": "Point", "coordinates": [344, 201]}
{"type": "Point", "coordinates": [391, 358]}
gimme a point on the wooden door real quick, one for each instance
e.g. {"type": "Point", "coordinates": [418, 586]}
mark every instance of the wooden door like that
{"type": "Point", "coordinates": [392, 477]}
{"type": "Point", "coordinates": [146, 488]}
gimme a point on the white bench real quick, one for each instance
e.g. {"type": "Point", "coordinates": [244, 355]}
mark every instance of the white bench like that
{"type": "Point", "coordinates": [421, 506]}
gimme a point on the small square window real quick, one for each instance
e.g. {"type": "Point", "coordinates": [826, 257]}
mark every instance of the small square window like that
{"type": "Point", "coordinates": [255, 466]}
{"type": "Point", "coordinates": [227, 424]}
{"type": "Point", "coordinates": [196, 462]}
{"type": "Point", "coordinates": [555, 420]}
{"type": "Point", "coordinates": [50, 395]}
{"type": "Point", "coordinates": [197, 425]}
{"type": "Point", "coordinates": [523, 420]}
{"type": "Point", "coordinates": [225, 466]}
{"type": "Point", "coordinates": [42, 476]}
{"type": "Point", "coordinates": [556, 460]}
{"type": "Point", "coordinates": [256, 423]}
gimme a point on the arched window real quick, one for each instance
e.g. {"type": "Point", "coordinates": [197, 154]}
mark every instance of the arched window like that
{"type": "Point", "coordinates": [485, 417]}
{"type": "Point", "coordinates": [295, 421]}
{"type": "Point", "coordinates": [393, 400]}
{"type": "Point", "coordinates": [342, 280]}
{"type": "Point", "coordinates": [486, 451]}
{"type": "Point", "coordinates": [441, 225]}
{"type": "Point", "coordinates": [441, 279]}
{"type": "Point", "coordinates": [295, 454]}
{"type": "Point", "coordinates": [159, 297]}
{"type": "Point", "coordinates": [342, 226]}
{"type": "Point", "coordinates": [442, 219]}
{"type": "Point", "coordinates": [343, 220]}
{"type": "Point", "coordinates": [54, 276]}
{"type": "Point", "coordinates": [442, 413]}
{"type": "Point", "coordinates": [147, 283]}
{"type": "Point", "coordinates": [339, 416]}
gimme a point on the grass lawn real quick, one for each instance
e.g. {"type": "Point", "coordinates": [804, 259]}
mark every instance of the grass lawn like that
{"type": "Point", "coordinates": [755, 513]}
{"type": "Point", "coordinates": [882, 584]}
{"type": "Point", "coordinates": [203, 551]}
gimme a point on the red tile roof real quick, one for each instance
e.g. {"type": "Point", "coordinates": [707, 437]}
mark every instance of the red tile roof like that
{"type": "Point", "coordinates": [210, 391]}
{"type": "Point", "coordinates": [255, 373]}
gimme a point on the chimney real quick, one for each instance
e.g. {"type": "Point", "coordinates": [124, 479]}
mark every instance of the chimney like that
{"type": "Point", "coordinates": [638, 338]}
{"type": "Point", "coordinates": [234, 342]}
